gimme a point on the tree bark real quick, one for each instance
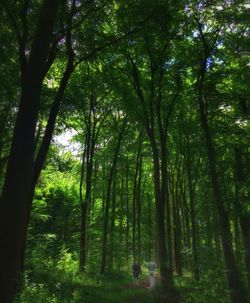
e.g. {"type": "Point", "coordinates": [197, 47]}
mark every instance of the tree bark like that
{"type": "Point", "coordinates": [112, 222]}
{"type": "Point", "coordinates": [82, 224]}
{"type": "Point", "coordinates": [150, 227]}
{"type": "Point", "coordinates": [177, 234]}
{"type": "Point", "coordinates": [165, 271]}
{"type": "Point", "coordinates": [134, 204]}
{"type": "Point", "coordinates": [238, 291]}
{"type": "Point", "coordinates": [169, 227]}
{"type": "Point", "coordinates": [195, 255]}
{"type": "Point", "coordinates": [108, 199]}
{"type": "Point", "coordinates": [91, 124]}
{"type": "Point", "coordinates": [14, 205]}
{"type": "Point", "coordinates": [241, 202]}
{"type": "Point", "coordinates": [127, 211]}
{"type": "Point", "coordinates": [139, 199]}
{"type": "Point", "coordinates": [43, 150]}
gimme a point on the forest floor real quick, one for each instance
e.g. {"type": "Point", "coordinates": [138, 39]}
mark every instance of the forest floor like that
{"type": "Point", "coordinates": [144, 295]}
{"type": "Point", "coordinates": [115, 287]}
{"type": "Point", "coordinates": [119, 290]}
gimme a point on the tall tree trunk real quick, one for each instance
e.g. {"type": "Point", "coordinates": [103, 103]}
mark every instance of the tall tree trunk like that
{"type": "Point", "coordinates": [90, 149]}
{"type": "Point", "coordinates": [150, 227]}
{"type": "Point", "coordinates": [135, 209]}
{"type": "Point", "coordinates": [112, 222]}
{"type": "Point", "coordinates": [208, 218]}
{"type": "Point", "coordinates": [176, 221]}
{"type": "Point", "coordinates": [108, 199]}
{"type": "Point", "coordinates": [177, 247]}
{"type": "Point", "coordinates": [84, 214]}
{"type": "Point", "coordinates": [185, 225]}
{"type": "Point", "coordinates": [169, 227]}
{"type": "Point", "coordinates": [244, 217]}
{"type": "Point", "coordinates": [139, 199]}
{"type": "Point", "coordinates": [104, 176]}
{"type": "Point", "coordinates": [43, 150]}
{"type": "Point", "coordinates": [165, 271]}
{"type": "Point", "coordinates": [127, 212]}
{"type": "Point", "coordinates": [14, 204]}
{"type": "Point", "coordinates": [195, 256]}
{"type": "Point", "coordinates": [122, 208]}
{"type": "Point", "coordinates": [134, 214]}
{"type": "Point", "coordinates": [156, 127]}
{"type": "Point", "coordinates": [237, 237]}
{"type": "Point", "coordinates": [96, 170]}
{"type": "Point", "coordinates": [46, 140]}
{"type": "Point", "coordinates": [238, 291]}
{"type": "Point", "coordinates": [82, 239]}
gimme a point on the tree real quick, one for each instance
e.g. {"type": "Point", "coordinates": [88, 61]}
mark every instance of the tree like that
{"type": "Point", "coordinates": [149, 75]}
{"type": "Point", "coordinates": [108, 195]}
{"type": "Point", "coordinates": [238, 291]}
{"type": "Point", "coordinates": [14, 206]}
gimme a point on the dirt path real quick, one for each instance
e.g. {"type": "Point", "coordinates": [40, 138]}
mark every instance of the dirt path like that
{"type": "Point", "coordinates": [146, 296]}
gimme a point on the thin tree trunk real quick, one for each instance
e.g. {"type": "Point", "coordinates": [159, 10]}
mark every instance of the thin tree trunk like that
{"type": "Point", "coordinates": [96, 169]}
{"type": "Point", "coordinates": [195, 257]}
{"type": "Point", "coordinates": [84, 213]}
{"type": "Point", "coordinates": [185, 225]}
{"type": "Point", "coordinates": [208, 218]}
{"type": "Point", "coordinates": [82, 240]}
{"type": "Point", "coordinates": [139, 199]}
{"type": "Point", "coordinates": [176, 221]}
{"type": "Point", "coordinates": [104, 175]}
{"type": "Point", "coordinates": [244, 217]}
{"type": "Point", "coordinates": [157, 135]}
{"type": "Point", "coordinates": [169, 228]}
{"type": "Point", "coordinates": [108, 199]}
{"type": "Point", "coordinates": [90, 149]}
{"type": "Point", "coordinates": [135, 213]}
{"type": "Point", "coordinates": [122, 207]}
{"type": "Point", "coordinates": [112, 222]}
{"type": "Point", "coordinates": [150, 228]}
{"type": "Point", "coordinates": [127, 212]}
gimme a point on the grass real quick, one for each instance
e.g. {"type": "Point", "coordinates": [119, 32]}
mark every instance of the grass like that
{"type": "Point", "coordinates": [69, 286]}
{"type": "Point", "coordinates": [83, 288]}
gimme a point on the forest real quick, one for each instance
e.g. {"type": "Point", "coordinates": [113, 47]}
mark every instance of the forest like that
{"type": "Point", "coordinates": [124, 138]}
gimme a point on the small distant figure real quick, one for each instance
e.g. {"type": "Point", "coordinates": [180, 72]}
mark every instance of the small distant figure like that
{"type": "Point", "coordinates": [151, 271]}
{"type": "Point", "coordinates": [136, 271]}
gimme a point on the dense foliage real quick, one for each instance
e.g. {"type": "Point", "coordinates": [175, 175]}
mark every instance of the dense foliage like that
{"type": "Point", "coordinates": [124, 136]}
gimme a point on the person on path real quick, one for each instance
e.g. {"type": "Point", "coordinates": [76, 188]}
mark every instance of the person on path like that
{"type": "Point", "coordinates": [136, 271]}
{"type": "Point", "coordinates": [151, 272]}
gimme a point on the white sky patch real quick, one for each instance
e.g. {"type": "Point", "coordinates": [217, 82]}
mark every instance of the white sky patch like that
{"type": "Point", "coordinates": [225, 108]}
{"type": "Point", "coordinates": [242, 123]}
{"type": "Point", "coordinates": [195, 33]}
{"type": "Point", "coordinates": [66, 143]}
{"type": "Point", "coordinates": [219, 8]}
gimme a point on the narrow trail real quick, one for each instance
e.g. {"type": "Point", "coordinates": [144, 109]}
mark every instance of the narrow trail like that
{"type": "Point", "coordinates": [138, 297]}
{"type": "Point", "coordinates": [145, 296]}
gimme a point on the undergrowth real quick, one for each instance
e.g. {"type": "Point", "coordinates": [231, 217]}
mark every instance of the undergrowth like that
{"type": "Point", "coordinates": [60, 281]}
